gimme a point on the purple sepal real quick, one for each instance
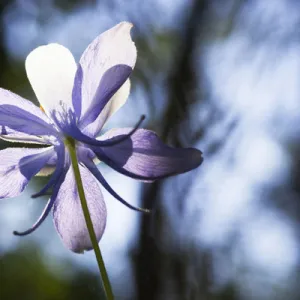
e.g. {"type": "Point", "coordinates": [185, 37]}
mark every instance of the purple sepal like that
{"type": "Point", "coordinates": [18, 166]}
{"type": "Point", "coordinates": [71, 129]}
{"type": "Point", "coordinates": [60, 166]}
{"type": "Point", "coordinates": [23, 121]}
{"type": "Point", "coordinates": [110, 82]}
{"type": "Point", "coordinates": [144, 156]}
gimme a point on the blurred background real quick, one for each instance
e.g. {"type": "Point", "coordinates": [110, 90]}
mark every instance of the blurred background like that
{"type": "Point", "coordinates": [219, 75]}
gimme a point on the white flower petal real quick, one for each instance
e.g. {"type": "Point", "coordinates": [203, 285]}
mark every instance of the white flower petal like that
{"type": "Point", "coordinates": [51, 70]}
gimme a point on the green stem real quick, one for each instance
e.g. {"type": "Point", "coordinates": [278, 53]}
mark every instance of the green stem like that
{"type": "Point", "coordinates": [70, 143]}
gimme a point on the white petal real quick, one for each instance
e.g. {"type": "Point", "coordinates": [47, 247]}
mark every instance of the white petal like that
{"type": "Point", "coordinates": [51, 70]}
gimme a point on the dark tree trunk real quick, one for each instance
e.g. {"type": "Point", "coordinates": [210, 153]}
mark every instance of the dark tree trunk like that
{"type": "Point", "coordinates": [150, 262]}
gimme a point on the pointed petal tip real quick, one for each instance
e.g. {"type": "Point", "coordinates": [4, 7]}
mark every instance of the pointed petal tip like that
{"type": "Point", "coordinates": [193, 159]}
{"type": "Point", "coordinates": [124, 28]}
{"type": "Point", "coordinates": [197, 157]}
{"type": "Point", "coordinates": [126, 24]}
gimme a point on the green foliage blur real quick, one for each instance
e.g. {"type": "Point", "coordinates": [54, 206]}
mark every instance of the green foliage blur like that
{"type": "Point", "coordinates": [24, 275]}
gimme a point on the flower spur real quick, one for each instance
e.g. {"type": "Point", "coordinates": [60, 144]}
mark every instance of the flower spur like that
{"type": "Point", "coordinates": [77, 100]}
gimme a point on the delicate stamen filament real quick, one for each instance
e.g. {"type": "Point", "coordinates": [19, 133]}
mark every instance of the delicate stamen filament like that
{"type": "Point", "coordinates": [41, 219]}
{"type": "Point", "coordinates": [46, 211]}
{"type": "Point", "coordinates": [94, 170]}
{"type": "Point", "coordinates": [128, 135]}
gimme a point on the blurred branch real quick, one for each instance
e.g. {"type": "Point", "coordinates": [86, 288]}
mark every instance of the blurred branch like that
{"type": "Point", "coordinates": [232, 17]}
{"type": "Point", "coordinates": [182, 80]}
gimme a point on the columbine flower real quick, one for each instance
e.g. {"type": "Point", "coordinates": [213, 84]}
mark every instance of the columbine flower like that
{"type": "Point", "coordinates": [77, 99]}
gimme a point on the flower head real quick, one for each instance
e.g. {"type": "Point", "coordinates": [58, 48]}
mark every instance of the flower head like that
{"type": "Point", "coordinates": [77, 99]}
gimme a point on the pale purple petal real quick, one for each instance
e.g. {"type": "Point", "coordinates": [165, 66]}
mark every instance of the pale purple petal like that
{"type": "Point", "coordinates": [18, 166]}
{"type": "Point", "coordinates": [144, 156]}
{"type": "Point", "coordinates": [23, 116]}
{"type": "Point", "coordinates": [68, 216]}
{"type": "Point", "coordinates": [111, 48]}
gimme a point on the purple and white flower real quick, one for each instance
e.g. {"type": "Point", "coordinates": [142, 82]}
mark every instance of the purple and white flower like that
{"type": "Point", "coordinates": [77, 99]}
